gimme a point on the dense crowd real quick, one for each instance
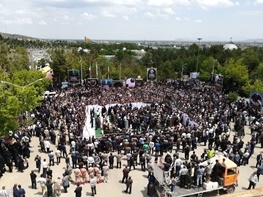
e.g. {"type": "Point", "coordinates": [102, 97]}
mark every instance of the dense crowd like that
{"type": "Point", "coordinates": [177, 118]}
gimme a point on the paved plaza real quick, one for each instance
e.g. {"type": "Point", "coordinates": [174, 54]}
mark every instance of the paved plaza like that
{"type": "Point", "coordinates": [114, 188]}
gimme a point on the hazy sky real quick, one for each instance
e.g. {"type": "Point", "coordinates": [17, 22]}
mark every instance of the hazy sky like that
{"type": "Point", "coordinates": [215, 20]}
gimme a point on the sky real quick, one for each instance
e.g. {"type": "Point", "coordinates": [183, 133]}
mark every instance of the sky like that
{"type": "Point", "coordinates": [187, 20]}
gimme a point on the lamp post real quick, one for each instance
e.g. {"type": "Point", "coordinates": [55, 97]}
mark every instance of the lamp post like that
{"type": "Point", "coordinates": [9, 83]}
{"type": "Point", "coordinates": [182, 72]}
{"type": "Point", "coordinates": [81, 73]}
{"type": "Point", "coordinates": [81, 50]}
{"type": "Point", "coordinates": [199, 39]}
{"type": "Point", "coordinates": [213, 71]}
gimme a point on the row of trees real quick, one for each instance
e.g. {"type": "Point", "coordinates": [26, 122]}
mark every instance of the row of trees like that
{"type": "Point", "coordinates": [242, 69]}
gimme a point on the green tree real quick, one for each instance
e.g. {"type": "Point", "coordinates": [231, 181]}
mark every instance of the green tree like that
{"type": "Point", "coordinates": [256, 86]}
{"type": "Point", "coordinates": [235, 75]}
{"type": "Point", "coordinates": [59, 65]}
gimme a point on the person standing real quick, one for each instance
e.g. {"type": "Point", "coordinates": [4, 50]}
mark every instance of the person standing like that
{"type": "Point", "coordinates": [208, 172]}
{"type": "Point", "coordinates": [44, 166]}
{"type": "Point", "coordinates": [105, 170]}
{"type": "Point", "coordinates": [178, 163]}
{"type": "Point", "coordinates": [199, 176]}
{"type": "Point", "coordinates": [49, 188]}
{"type": "Point", "coordinates": [132, 163]}
{"type": "Point", "coordinates": [253, 179]}
{"type": "Point", "coordinates": [3, 192]}
{"type": "Point", "coordinates": [78, 190]}
{"type": "Point", "coordinates": [49, 173]}
{"type": "Point", "coordinates": [15, 191]}
{"type": "Point", "coordinates": [51, 156]}
{"type": "Point", "coordinates": [38, 162]}
{"type": "Point", "coordinates": [42, 182]}
{"type": "Point", "coordinates": [259, 160]}
{"type": "Point", "coordinates": [151, 181]}
{"type": "Point", "coordinates": [111, 160]}
{"type": "Point", "coordinates": [119, 157]}
{"type": "Point", "coordinates": [47, 145]}
{"type": "Point", "coordinates": [259, 170]}
{"type": "Point", "coordinates": [142, 162]}
{"type": "Point", "coordinates": [21, 192]}
{"type": "Point", "coordinates": [129, 185]}
{"type": "Point", "coordinates": [58, 156]}
{"type": "Point", "coordinates": [183, 175]}
{"type": "Point", "coordinates": [149, 168]}
{"type": "Point", "coordinates": [33, 177]}
{"type": "Point", "coordinates": [125, 173]}
{"type": "Point", "coordinates": [57, 189]}
{"type": "Point", "coordinates": [187, 152]}
{"type": "Point", "coordinates": [93, 183]}
{"type": "Point", "coordinates": [65, 182]}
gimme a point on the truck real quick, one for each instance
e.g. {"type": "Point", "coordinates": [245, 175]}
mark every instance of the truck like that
{"type": "Point", "coordinates": [226, 181]}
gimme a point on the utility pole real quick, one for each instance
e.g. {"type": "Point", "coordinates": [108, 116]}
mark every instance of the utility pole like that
{"type": "Point", "coordinates": [199, 39]}
{"type": "Point", "coordinates": [213, 71]}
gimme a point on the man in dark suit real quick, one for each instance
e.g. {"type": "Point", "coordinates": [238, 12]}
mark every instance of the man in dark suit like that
{"type": "Point", "coordinates": [78, 190]}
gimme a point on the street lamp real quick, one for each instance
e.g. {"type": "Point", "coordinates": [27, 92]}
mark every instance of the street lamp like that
{"type": "Point", "coordinates": [80, 50]}
{"type": "Point", "coordinates": [213, 71]}
{"type": "Point", "coordinates": [199, 39]}
{"type": "Point", "coordinates": [9, 83]}
{"type": "Point", "coordinates": [182, 72]}
{"type": "Point", "coordinates": [81, 73]}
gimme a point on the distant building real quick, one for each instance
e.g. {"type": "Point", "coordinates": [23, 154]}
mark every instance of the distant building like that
{"type": "Point", "coordinates": [231, 46]}
{"type": "Point", "coordinates": [86, 40]}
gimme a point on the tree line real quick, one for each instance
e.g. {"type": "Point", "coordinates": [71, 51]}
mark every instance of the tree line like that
{"type": "Point", "coordinates": [242, 69]}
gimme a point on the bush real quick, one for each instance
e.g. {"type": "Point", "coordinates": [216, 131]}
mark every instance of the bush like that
{"type": "Point", "coordinates": [204, 77]}
{"type": "Point", "coordinates": [233, 96]}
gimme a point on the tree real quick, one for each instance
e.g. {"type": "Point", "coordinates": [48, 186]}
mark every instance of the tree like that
{"type": "Point", "coordinates": [18, 95]}
{"type": "Point", "coordinates": [256, 86]}
{"type": "Point", "coordinates": [9, 109]}
{"type": "Point", "coordinates": [235, 75]}
{"type": "Point", "coordinates": [59, 65]}
{"type": "Point", "coordinates": [257, 73]}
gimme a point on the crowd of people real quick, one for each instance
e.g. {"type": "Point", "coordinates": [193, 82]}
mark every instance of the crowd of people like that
{"type": "Point", "coordinates": [177, 118]}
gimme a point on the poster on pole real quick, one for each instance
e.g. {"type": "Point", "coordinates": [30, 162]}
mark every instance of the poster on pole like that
{"type": "Point", "coordinates": [151, 74]}
{"type": "Point", "coordinates": [73, 76]}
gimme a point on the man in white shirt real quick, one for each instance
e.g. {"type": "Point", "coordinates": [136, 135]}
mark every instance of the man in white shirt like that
{"type": "Point", "coordinates": [151, 145]}
{"type": "Point", "coordinates": [47, 145]}
{"type": "Point", "coordinates": [93, 182]}
{"type": "Point", "coordinates": [178, 163]}
{"type": "Point", "coordinates": [44, 166]}
{"type": "Point", "coordinates": [42, 181]}
{"type": "Point", "coordinates": [51, 156]}
{"type": "Point", "coordinates": [3, 192]}
{"type": "Point", "coordinates": [58, 156]}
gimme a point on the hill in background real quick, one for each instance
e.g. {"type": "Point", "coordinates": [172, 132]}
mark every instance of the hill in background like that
{"type": "Point", "coordinates": [17, 36]}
